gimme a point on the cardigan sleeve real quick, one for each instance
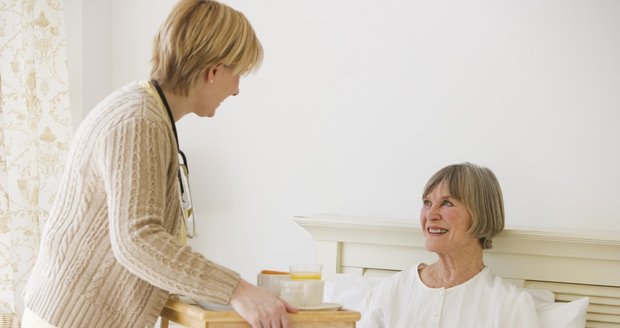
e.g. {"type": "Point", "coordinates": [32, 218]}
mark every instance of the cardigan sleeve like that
{"type": "Point", "coordinates": [135, 159]}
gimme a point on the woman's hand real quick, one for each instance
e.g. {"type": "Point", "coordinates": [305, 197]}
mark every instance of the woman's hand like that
{"type": "Point", "coordinates": [259, 307]}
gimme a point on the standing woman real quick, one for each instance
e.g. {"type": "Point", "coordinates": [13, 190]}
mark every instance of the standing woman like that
{"type": "Point", "coordinates": [113, 248]}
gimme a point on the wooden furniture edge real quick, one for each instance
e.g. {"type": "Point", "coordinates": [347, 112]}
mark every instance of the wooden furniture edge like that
{"type": "Point", "coordinates": [181, 312]}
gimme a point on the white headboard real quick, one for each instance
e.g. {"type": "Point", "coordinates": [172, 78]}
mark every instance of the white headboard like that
{"type": "Point", "coordinates": [572, 264]}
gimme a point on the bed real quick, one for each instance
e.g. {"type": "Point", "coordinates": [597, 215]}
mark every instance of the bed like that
{"type": "Point", "coordinates": [571, 264]}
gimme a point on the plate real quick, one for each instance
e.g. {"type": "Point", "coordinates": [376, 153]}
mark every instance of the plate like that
{"type": "Point", "coordinates": [322, 307]}
{"type": "Point", "coordinates": [215, 307]}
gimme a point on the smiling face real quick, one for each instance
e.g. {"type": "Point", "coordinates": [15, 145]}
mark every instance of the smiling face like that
{"type": "Point", "coordinates": [446, 222]}
{"type": "Point", "coordinates": [218, 83]}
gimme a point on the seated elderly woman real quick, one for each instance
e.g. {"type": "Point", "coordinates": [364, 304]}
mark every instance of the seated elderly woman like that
{"type": "Point", "coordinates": [462, 210]}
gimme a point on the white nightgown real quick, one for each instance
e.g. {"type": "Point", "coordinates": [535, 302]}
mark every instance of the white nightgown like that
{"type": "Point", "coordinates": [483, 301]}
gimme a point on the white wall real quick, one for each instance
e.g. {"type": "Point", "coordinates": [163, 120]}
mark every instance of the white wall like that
{"type": "Point", "coordinates": [89, 41]}
{"type": "Point", "coordinates": [359, 102]}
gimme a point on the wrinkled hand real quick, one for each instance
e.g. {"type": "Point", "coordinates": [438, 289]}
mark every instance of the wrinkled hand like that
{"type": "Point", "coordinates": [259, 307]}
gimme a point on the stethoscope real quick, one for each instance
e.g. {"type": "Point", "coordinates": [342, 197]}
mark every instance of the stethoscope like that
{"type": "Point", "coordinates": [183, 174]}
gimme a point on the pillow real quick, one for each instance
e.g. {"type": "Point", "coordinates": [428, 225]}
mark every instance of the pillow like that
{"type": "Point", "coordinates": [349, 290]}
{"type": "Point", "coordinates": [564, 315]}
{"type": "Point", "coordinates": [558, 314]}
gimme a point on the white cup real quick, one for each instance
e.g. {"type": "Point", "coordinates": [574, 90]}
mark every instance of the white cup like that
{"type": "Point", "coordinates": [302, 293]}
{"type": "Point", "coordinates": [271, 282]}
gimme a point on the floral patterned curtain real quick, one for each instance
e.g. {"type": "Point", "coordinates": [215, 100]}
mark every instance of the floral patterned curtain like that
{"type": "Point", "coordinates": [35, 128]}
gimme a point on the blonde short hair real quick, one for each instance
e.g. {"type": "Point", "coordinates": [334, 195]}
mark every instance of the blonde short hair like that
{"type": "Point", "coordinates": [198, 35]}
{"type": "Point", "coordinates": [478, 189]}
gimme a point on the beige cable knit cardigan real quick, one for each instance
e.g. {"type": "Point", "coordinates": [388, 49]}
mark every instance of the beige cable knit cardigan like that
{"type": "Point", "coordinates": [109, 252]}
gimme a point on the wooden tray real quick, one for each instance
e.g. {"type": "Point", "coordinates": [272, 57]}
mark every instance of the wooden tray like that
{"type": "Point", "coordinates": [193, 316]}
